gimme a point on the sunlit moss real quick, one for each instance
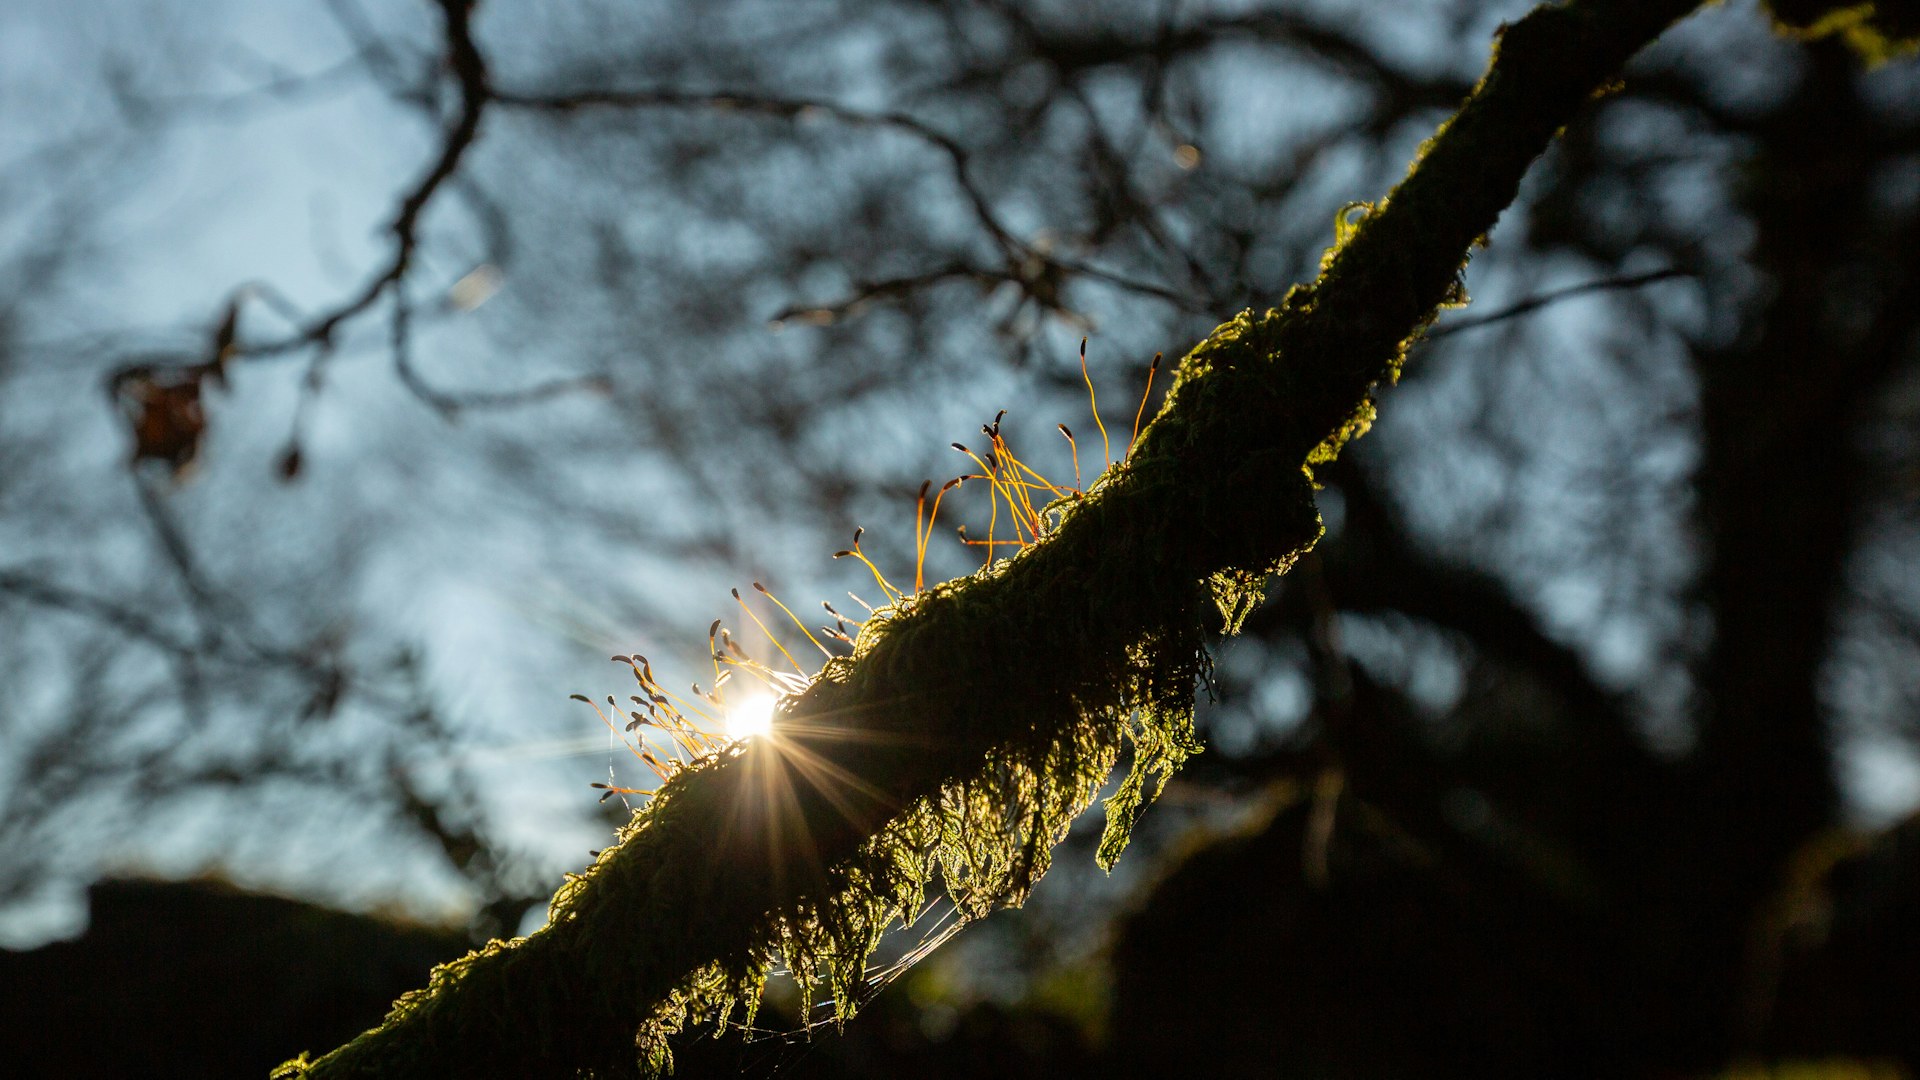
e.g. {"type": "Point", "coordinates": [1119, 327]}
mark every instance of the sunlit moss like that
{"type": "Point", "coordinates": [977, 718]}
{"type": "Point", "coordinates": [1880, 31]}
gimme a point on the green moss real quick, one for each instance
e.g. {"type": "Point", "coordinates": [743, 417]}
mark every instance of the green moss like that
{"type": "Point", "coordinates": [1879, 31]}
{"type": "Point", "coordinates": [976, 720]}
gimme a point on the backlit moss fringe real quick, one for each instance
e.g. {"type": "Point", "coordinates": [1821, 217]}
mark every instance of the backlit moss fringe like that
{"type": "Point", "coordinates": [1879, 31]}
{"type": "Point", "coordinates": [975, 720]}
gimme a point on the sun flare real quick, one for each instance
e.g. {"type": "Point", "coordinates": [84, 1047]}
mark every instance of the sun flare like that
{"type": "Point", "coordinates": [750, 716]}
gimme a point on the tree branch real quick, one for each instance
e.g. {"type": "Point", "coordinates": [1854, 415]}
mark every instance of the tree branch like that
{"type": "Point", "coordinates": [975, 720]}
{"type": "Point", "coordinates": [1553, 296]}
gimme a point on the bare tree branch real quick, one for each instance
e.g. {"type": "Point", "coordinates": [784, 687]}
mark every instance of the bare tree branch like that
{"type": "Point", "coordinates": [1535, 303]}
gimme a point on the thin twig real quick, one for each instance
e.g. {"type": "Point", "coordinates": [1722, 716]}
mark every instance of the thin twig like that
{"type": "Point", "coordinates": [789, 108]}
{"type": "Point", "coordinates": [1535, 303]}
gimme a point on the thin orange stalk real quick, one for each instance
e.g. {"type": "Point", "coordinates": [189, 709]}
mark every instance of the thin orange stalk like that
{"type": "Point", "coordinates": [610, 725]}
{"type": "Point", "coordinates": [1093, 400]}
{"type": "Point", "coordinates": [769, 633]}
{"type": "Point", "coordinates": [824, 651]}
{"type": "Point", "coordinates": [1017, 500]}
{"type": "Point", "coordinates": [920, 525]}
{"type": "Point", "coordinates": [919, 566]}
{"type": "Point", "coordinates": [1152, 369]}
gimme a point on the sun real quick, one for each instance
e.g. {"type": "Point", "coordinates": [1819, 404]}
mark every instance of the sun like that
{"type": "Point", "coordinates": [750, 716]}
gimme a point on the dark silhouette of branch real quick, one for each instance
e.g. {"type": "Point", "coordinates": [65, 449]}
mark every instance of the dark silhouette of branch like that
{"type": "Point", "coordinates": [864, 293]}
{"type": "Point", "coordinates": [1073, 52]}
{"type": "Point", "coordinates": [785, 108]}
{"type": "Point", "coordinates": [34, 588]}
{"type": "Point", "coordinates": [1038, 274]}
{"type": "Point", "coordinates": [1038, 280]}
{"type": "Point", "coordinates": [470, 70]}
{"type": "Point", "coordinates": [1535, 303]}
{"type": "Point", "coordinates": [992, 708]}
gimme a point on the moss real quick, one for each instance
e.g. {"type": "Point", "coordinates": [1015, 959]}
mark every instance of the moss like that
{"type": "Point", "coordinates": [977, 719]}
{"type": "Point", "coordinates": [1880, 30]}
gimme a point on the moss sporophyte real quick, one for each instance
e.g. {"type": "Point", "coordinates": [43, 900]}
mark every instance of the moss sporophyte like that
{"type": "Point", "coordinates": [686, 730]}
{"type": "Point", "coordinates": [805, 770]}
{"type": "Point", "coordinates": [969, 722]}
{"type": "Point", "coordinates": [961, 832]}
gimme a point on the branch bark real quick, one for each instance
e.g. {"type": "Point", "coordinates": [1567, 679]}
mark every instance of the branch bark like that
{"type": "Point", "coordinates": [976, 719]}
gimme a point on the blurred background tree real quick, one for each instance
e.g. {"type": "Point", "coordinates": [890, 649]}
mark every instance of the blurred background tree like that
{"type": "Point", "coordinates": [368, 372]}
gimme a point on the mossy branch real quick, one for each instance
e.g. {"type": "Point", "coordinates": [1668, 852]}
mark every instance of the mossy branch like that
{"type": "Point", "coordinates": [976, 719]}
